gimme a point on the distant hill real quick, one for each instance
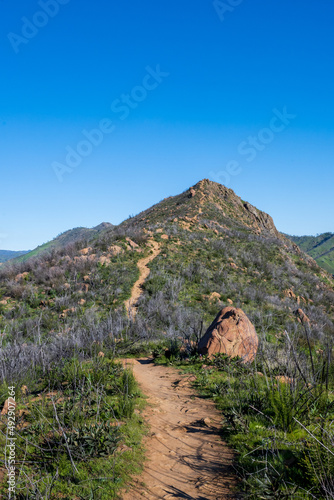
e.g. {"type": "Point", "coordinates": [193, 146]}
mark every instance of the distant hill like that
{"type": "Point", "coordinates": [66, 238]}
{"type": "Point", "coordinates": [10, 254]}
{"type": "Point", "coordinates": [320, 247]}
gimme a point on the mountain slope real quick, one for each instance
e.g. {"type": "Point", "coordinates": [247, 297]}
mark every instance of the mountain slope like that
{"type": "Point", "coordinates": [210, 240]}
{"type": "Point", "coordinates": [69, 304]}
{"type": "Point", "coordinates": [320, 247]}
{"type": "Point", "coordinates": [207, 202]}
{"type": "Point", "coordinates": [10, 254]}
{"type": "Point", "coordinates": [66, 238]}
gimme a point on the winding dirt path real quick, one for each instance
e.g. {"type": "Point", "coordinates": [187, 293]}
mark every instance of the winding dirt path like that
{"type": "Point", "coordinates": [136, 291]}
{"type": "Point", "coordinates": [185, 455]}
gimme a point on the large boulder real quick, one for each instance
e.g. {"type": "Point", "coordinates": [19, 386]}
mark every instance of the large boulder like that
{"type": "Point", "coordinates": [230, 333]}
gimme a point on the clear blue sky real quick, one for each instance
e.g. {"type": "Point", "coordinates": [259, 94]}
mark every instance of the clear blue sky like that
{"type": "Point", "coordinates": [228, 69]}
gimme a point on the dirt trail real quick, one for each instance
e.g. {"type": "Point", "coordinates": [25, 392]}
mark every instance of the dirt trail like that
{"type": "Point", "coordinates": [136, 291]}
{"type": "Point", "coordinates": [186, 457]}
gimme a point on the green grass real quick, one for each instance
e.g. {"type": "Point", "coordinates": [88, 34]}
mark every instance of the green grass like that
{"type": "Point", "coordinates": [8, 254]}
{"type": "Point", "coordinates": [320, 247]}
{"type": "Point", "coordinates": [78, 432]}
{"type": "Point", "coordinates": [35, 252]}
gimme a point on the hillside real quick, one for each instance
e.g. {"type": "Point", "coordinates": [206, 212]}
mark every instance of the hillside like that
{"type": "Point", "coordinates": [10, 254]}
{"type": "Point", "coordinates": [180, 261]}
{"type": "Point", "coordinates": [320, 247]}
{"type": "Point", "coordinates": [64, 239]}
{"type": "Point", "coordinates": [211, 241]}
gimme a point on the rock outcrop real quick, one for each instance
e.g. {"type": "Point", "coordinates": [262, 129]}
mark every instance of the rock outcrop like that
{"type": "Point", "coordinates": [262, 220]}
{"type": "Point", "coordinates": [301, 317]}
{"type": "Point", "coordinates": [8, 406]}
{"type": "Point", "coordinates": [230, 333]}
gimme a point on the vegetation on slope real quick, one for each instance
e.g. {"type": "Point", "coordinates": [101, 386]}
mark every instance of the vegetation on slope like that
{"type": "Point", "coordinates": [64, 239]}
{"type": "Point", "coordinates": [215, 250]}
{"type": "Point", "coordinates": [320, 247]}
{"type": "Point", "coordinates": [77, 433]}
{"type": "Point", "coordinates": [10, 254]}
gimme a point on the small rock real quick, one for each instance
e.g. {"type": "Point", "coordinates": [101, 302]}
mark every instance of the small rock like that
{"type": "Point", "coordinates": [289, 294]}
{"type": "Point", "coordinates": [132, 243]}
{"type": "Point", "coordinates": [301, 316]}
{"type": "Point", "coordinates": [21, 276]}
{"type": "Point", "coordinates": [214, 297]}
{"type": "Point", "coordinates": [5, 408]}
{"type": "Point", "coordinates": [85, 251]}
{"type": "Point", "coordinates": [115, 250]}
{"type": "Point", "coordinates": [283, 379]}
{"type": "Point", "coordinates": [104, 260]}
{"type": "Point", "coordinates": [123, 448]}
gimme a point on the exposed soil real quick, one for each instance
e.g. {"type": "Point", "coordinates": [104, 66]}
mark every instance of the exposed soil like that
{"type": "Point", "coordinates": [186, 457]}
{"type": "Point", "coordinates": [136, 291]}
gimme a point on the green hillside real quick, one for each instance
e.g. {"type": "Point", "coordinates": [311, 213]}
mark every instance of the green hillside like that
{"type": "Point", "coordinates": [320, 248]}
{"type": "Point", "coordinates": [61, 308]}
{"type": "Point", "coordinates": [66, 238]}
{"type": "Point", "coordinates": [9, 254]}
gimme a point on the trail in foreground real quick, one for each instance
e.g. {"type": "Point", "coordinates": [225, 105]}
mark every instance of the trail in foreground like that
{"type": "Point", "coordinates": [130, 304]}
{"type": "Point", "coordinates": [185, 455]}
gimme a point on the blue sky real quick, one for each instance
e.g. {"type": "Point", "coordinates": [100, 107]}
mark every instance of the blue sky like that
{"type": "Point", "coordinates": [181, 91]}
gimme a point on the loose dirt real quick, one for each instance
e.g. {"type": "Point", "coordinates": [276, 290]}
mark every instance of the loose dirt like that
{"type": "Point", "coordinates": [136, 291]}
{"type": "Point", "coordinates": [186, 457]}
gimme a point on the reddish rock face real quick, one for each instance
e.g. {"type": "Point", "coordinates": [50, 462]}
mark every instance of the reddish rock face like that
{"type": "Point", "coordinates": [230, 333]}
